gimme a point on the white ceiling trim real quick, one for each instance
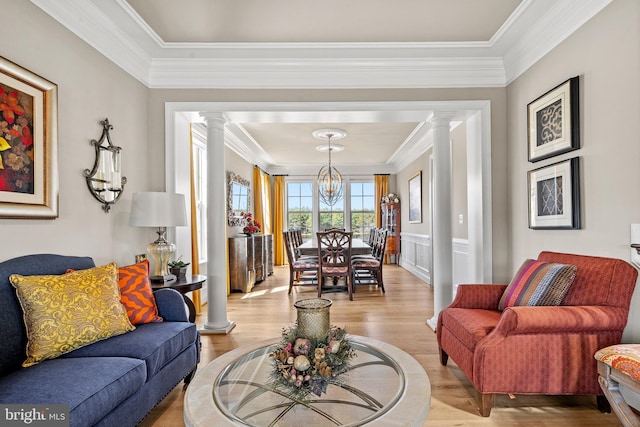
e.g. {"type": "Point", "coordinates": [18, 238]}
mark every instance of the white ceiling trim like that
{"type": "Point", "coordinates": [559, 21]}
{"type": "Point", "coordinates": [327, 112]}
{"type": "Point", "coordinates": [315, 73]}
{"type": "Point", "coordinates": [536, 27]}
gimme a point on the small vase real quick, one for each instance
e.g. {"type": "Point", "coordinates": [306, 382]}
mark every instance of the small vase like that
{"type": "Point", "coordinates": [313, 318]}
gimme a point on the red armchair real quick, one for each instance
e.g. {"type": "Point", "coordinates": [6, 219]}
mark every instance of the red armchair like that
{"type": "Point", "coordinates": [541, 349]}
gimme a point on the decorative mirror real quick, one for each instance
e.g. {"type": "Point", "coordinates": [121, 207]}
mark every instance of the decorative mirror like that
{"type": "Point", "coordinates": [238, 193]}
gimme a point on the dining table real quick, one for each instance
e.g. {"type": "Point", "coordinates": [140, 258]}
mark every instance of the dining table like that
{"type": "Point", "coordinates": [358, 247]}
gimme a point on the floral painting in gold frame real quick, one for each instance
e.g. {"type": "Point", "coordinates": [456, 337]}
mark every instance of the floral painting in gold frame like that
{"type": "Point", "coordinates": [28, 144]}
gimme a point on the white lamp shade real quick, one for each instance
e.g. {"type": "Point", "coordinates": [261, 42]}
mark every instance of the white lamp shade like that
{"type": "Point", "coordinates": [158, 209]}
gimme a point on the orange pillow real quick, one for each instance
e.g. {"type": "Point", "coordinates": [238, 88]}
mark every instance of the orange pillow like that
{"type": "Point", "coordinates": [136, 293]}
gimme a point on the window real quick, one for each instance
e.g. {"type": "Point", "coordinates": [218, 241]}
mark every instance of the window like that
{"type": "Point", "coordinates": [356, 211]}
{"type": "Point", "coordinates": [331, 216]}
{"type": "Point", "coordinates": [363, 208]}
{"type": "Point", "coordinates": [200, 187]}
{"type": "Point", "coordinates": [300, 207]}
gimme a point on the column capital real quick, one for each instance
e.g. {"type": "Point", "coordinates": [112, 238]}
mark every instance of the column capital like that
{"type": "Point", "coordinates": [442, 118]}
{"type": "Point", "coordinates": [214, 118]}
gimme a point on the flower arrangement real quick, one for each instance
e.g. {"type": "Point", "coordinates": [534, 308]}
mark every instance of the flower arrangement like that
{"type": "Point", "coordinates": [391, 198]}
{"type": "Point", "coordinates": [303, 365]}
{"type": "Point", "coordinates": [250, 226]}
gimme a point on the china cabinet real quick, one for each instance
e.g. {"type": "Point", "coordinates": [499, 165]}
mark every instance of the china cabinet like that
{"type": "Point", "coordinates": [391, 222]}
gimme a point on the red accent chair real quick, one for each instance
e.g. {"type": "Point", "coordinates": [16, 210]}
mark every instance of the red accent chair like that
{"type": "Point", "coordinates": [541, 349]}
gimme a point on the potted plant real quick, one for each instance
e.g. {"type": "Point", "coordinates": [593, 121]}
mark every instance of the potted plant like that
{"type": "Point", "coordinates": [178, 267]}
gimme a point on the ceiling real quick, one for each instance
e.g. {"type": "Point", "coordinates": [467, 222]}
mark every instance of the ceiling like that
{"type": "Point", "coordinates": [337, 44]}
{"type": "Point", "coordinates": [311, 21]}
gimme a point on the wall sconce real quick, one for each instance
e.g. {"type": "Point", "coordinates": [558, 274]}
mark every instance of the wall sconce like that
{"type": "Point", "coordinates": [105, 180]}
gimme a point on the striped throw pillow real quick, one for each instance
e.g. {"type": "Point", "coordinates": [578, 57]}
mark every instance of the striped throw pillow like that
{"type": "Point", "coordinates": [538, 283]}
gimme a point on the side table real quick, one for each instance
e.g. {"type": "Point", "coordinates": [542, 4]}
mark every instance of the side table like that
{"type": "Point", "coordinates": [188, 283]}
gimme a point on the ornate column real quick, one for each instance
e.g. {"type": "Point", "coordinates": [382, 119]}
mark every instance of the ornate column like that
{"type": "Point", "coordinates": [442, 274]}
{"type": "Point", "coordinates": [217, 322]}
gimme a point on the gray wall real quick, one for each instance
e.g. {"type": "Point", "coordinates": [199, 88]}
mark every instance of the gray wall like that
{"type": "Point", "coordinates": [90, 88]}
{"type": "Point", "coordinates": [605, 54]}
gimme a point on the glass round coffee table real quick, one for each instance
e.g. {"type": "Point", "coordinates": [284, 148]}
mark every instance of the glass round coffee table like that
{"type": "Point", "coordinates": [385, 386]}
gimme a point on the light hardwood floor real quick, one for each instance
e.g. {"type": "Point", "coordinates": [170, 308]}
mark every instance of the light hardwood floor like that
{"type": "Point", "coordinates": [397, 317]}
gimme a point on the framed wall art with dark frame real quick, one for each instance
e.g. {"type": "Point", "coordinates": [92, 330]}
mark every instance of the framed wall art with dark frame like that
{"type": "Point", "coordinates": [554, 196]}
{"type": "Point", "coordinates": [553, 121]}
{"type": "Point", "coordinates": [28, 144]}
{"type": "Point", "coordinates": [415, 198]}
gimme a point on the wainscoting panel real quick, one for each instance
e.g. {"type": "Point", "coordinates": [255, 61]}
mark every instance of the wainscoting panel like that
{"type": "Point", "coordinates": [415, 255]}
{"type": "Point", "coordinates": [416, 258]}
{"type": "Point", "coordinates": [460, 263]}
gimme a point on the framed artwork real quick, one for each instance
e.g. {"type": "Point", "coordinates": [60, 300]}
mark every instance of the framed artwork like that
{"type": "Point", "coordinates": [554, 196]}
{"type": "Point", "coordinates": [553, 122]}
{"type": "Point", "coordinates": [415, 198]}
{"type": "Point", "coordinates": [28, 144]}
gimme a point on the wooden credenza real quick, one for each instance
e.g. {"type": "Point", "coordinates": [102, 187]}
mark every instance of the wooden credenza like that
{"type": "Point", "coordinates": [250, 260]}
{"type": "Point", "coordinates": [391, 222]}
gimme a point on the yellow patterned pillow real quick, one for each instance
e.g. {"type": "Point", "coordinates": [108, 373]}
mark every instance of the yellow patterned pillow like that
{"type": "Point", "coordinates": [66, 312]}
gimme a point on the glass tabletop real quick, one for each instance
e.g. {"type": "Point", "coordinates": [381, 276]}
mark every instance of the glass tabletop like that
{"type": "Point", "coordinates": [374, 384]}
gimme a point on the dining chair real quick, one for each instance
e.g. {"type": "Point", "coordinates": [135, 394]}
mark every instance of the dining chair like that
{"type": "Point", "coordinates": [302, 270]}
{"type": "Point", "coordinates": [373, 232]}
{"type": "Point", "coordinates": [367, 270]}
{"type": "Point", "coordinates": [374, 236]}
{"type": "Point", "coordinates": [334, 257]}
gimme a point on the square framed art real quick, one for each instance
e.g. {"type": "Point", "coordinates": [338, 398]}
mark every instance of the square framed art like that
{"type": "Point", "coordinates": [554, 196]}
{"type": "Point", "coordinates": [553, 121]}
{"type": "Point", "coordinates": [28, 144]}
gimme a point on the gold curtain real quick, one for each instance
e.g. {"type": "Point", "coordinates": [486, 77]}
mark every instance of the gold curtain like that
{"type": "Point", "coordinates": [262, 199]}
{"type": "Point", "coordinates": [195, 253]}
{"type": "Point", "coordinates": [266, 204]}
{"type": "Point", "coordinates": [279, 256]}
{"type": "Point", "coordinates": [257, 196]}
{"type": "Point", "coordinates": [381, 189]}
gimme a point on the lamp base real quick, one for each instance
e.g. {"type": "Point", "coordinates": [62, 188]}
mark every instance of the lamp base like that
{"type": "Point", "coordinates": [162, 279]}
{"type": "Point", "coordinates": [161, 251]}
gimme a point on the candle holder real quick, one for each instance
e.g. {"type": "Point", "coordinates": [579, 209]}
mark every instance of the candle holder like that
{"type": "Point", "coordinates": [313, 317]}
{"type": "Point", "coordinates": [105, 180]}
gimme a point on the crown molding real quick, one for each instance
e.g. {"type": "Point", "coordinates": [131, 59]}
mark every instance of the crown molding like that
{"type": "Point", "coordinates": [316, 73]}
{"type": "Point", "coordinates": [557, 21]}
{"type": "Point", "coordinates": [238, 140]}
{"type": "Point", "coordinates": [115, 30]}
{"type": "Point", "coordinates": [87, 21]}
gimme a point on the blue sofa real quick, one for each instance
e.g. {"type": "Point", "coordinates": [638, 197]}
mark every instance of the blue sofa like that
{"type": "Point", "coordinates": [113, 382]}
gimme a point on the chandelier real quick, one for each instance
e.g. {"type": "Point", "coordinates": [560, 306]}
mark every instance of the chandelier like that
{"type": "Point", "coordinates": [329, 179]}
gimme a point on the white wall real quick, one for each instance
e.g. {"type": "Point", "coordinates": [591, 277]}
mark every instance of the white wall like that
{"type": "Point", "coordinates": [605, 54]}
{"type": "Point", "coordinates": [90, 88]}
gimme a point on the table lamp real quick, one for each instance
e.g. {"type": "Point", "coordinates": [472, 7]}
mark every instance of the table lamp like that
{"type": "Point", "coordinates": [162, 210]}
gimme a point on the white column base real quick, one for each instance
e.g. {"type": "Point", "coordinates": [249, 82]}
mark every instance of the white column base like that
{"type": "Point", "coordinates": [432, 323]}
{"type": "Point", "coordinates": [216, 330]}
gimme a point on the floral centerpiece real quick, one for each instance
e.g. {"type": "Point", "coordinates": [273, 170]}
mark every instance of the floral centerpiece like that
{"type": "Point", "coordinates": [391, 198]}
{"type": "Point", "coordinates": [250, 226]}
{"type": "Point", "coordinates": [312, 354]}
{"type": "Point", "coordinates": [305, 365]}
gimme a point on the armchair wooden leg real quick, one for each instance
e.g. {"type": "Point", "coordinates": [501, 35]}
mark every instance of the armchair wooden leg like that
{"type": "Point", "coordinates": [444, 357]}
{"type": "Point", "coordinates": [486, 403]}
{"type": "Point", "coordinates": [603, 404]}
